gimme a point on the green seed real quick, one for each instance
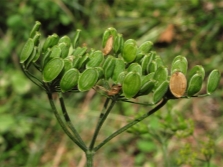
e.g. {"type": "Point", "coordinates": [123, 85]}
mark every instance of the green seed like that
{"type": "Point", "coordinates": [52, 69]}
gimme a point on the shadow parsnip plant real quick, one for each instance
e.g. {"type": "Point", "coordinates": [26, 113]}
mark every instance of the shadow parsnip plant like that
{"type": "Point", "coordinates": [121, 71]}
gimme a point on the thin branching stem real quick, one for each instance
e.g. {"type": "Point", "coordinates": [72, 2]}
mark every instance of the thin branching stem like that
{"type": "Point", "coordinates": [68, 121]}
{"type": "Point", "coordinates": [62, 124]}
{"type": "Point", "coordinates": [124, 128]}
{"type": "Point", "coordinates": [101, 120]}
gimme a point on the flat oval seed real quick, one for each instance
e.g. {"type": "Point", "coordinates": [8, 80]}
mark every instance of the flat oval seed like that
{"type": "Point", "coordinates": [87, 79]}
{"type": "Point", "coordinates": [178, 84]}
{"type": "Point", "coordinates": [69, 80]}
{"type": "Point", "coordinates": [27, 50]}
{"type": "Point", "coordinates": [52, 69]}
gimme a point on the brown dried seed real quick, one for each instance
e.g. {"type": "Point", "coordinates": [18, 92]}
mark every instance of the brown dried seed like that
{"type": "Point", "coordinates": [108, 46]}
{"type": "Point", "coordinates": [178, 84]}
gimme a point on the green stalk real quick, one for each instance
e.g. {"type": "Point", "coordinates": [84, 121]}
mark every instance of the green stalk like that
{"type": "Point", "coordinates": [129, 125]}
{"type": "Point", "coordinates": [101, 120]}
{"type": "Point", "coordinates": [66, 130]}
{"type": "Point", "coordinates": [68, 121]}
{"type": "Point", "coordinates": [89, 157]}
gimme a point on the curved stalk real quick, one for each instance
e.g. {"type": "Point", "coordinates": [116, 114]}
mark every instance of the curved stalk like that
{"type": "Point", "coordinates": [62, 123]}
{"type": "Point", "coordinates": [101, 120]}
{"type": "Point", "coordinates": [124, 128]}
{"type": "Point", "coordinates": [68, 121]}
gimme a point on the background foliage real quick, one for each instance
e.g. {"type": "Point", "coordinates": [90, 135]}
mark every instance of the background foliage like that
{"type": "Point", "coordinates": [30, 135]}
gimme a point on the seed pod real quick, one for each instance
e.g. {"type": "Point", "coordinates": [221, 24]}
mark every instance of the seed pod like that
{"type": "Point", "coordinates": [55, 52]}
{"type": "Point", "coordinates": [152, 56]}
{"type": "Point", "coordinates": [68, 64]}
{"type": "Point", "coordinates": [108, 46]}
{"type": "Point", "coordinates": [100, 72]}
{"type": "Point", "coordinates": [118, 43]}
{"type": "Point", "coordinates": [179, 64]}
{"type": "Point", "coordinates": [83, 61]}
{"type": "Point", "coordinates": [145, 47]}
{"type": "Point", "coordinates": [27, 50]}
{"type": "Point", "coordinates": [146, 88]}
{"type": "Point", "coordinates": [66, 40]}
{"type": "Point", "coordinates": [152, 66]}
{"type": "Point", "coordinates": [131, 84]}
{"type": "Point", "coordinates": [52, 69]}
{"type": "Point", "coordinates": [69, 80]}
{"type": "Point", "coordinates": [112, 31]}
{"type": "Point", "coordinates": [64, 50]}
{"type": "Point", "coordinates": [108, 67]}
{"type": "Point", "coordinates": [45, 57]}
{"type": "Point", "coordinates": [145, 62]}
{"type": "Point", "coordinates": [95, 59]}
{"type": "Point", "coordinates": [158, 61]}
{"type": "Point", "coordinates": [36, 38]}
{"type": "Point", "coordinates": [194, 84]}
{"type": "Point", "coordinates": [119, 67]}
{"type": "Point", "coordinates": [49, 42]}
{"type": "Point", "coordinates": [160, 76]}
{"type": "Point", "coordinates": [129, 50]}
{"type": "Point", "coordinates": [87, 79]}
{"type": "Point", "coordinates": [121, 77]}
{"type": "Point", "coordinates": [196, 70]}
{"type": "Point", "coordinates": [76, 37]}
{"type": "Point", "coordinates": [80, 51]}
{"type": "Point", "coordinates": [37, 55]}
{"type": "Point", "coordinates": [76, 62]}
{"type": "Point", "coordinates": [160, 91]}
{"type": "Point", "coordinates": [178, 84]}
{"type": "Point", "coordinates": [213, 81]}
{"type": "Point", "coordinates": [135, 67]}
{"type": "Point", "coordinates": [105, 37]}
{"type": "Point", "coordinates": [31, 57]}
{"type": "Point", "coordinates": [35, 29]}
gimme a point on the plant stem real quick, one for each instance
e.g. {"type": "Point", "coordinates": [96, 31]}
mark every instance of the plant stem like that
{"type": "Point", "coordinates": [68, 121]}
{"type": "Point", "coordinates": [101, 120]}
{"type": "Point", "coordinates": [124, 128]}
{"type": "Point", "coordinates": [66, 130]}
{"type": "Point", "coordinates": [89, 157]}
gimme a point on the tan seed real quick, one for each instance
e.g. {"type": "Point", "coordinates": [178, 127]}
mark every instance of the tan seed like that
{"type": "Point", "coordinates": [108, 46]}
{"type": "Point", "coordinates": [178, 84]}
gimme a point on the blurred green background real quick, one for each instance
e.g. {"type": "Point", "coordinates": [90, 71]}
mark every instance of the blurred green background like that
{"type": "Point", "coordinates": [29, 133]}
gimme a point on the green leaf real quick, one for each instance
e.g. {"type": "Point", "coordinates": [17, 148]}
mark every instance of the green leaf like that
{"type": "Point", "coordinates": [129, 50]}
{"type": "Point", "coordinates": [27, 50]}
{"type": "Point", "coordinates": [52, 69]}
{"type": "Point", "coordinates": [131, 84]}
{"type": "Point", "coordinates": [69, 80]}
{"type": "Point", "coordinates": [194, 85]}
{"type": "Point", "coordinates": [160, 91]}
{"type": "Point", "coordinates": [213, 81]}
{"type": "Point", "coordinates": [87, 79]}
